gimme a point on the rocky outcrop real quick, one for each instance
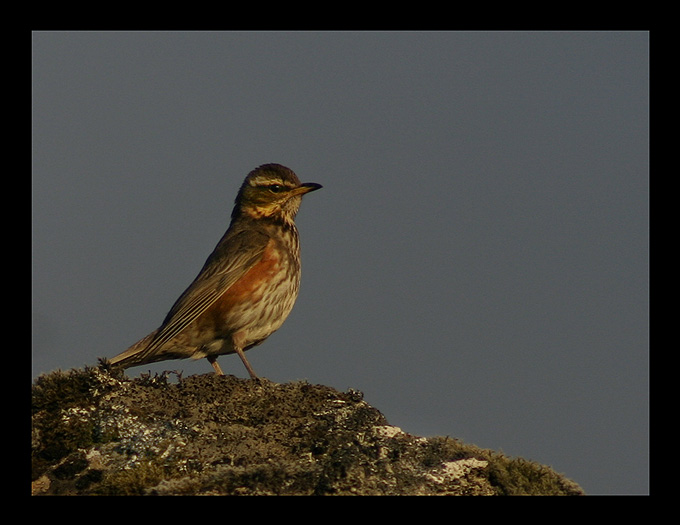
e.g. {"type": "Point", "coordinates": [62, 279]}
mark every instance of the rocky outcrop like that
{"type": "Point", "coordinates": [97, 432]}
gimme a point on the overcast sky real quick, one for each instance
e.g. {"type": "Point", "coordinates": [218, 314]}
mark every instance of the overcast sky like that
{"type": "Point", "coordinates": [477, 262]}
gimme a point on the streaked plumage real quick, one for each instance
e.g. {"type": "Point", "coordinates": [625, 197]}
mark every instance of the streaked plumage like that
{"type": "Point", "coordinates": [247, 286]}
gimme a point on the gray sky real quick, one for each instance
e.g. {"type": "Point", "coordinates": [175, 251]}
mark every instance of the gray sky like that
{"type": "Point", "coordinates": [477, 262]}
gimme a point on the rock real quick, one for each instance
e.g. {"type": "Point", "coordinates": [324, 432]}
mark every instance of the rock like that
{"type": "Point", "coordinates": [97, 432]}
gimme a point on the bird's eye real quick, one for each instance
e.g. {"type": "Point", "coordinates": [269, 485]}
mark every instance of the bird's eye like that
{"type": "Point", "coordinates": [275, 188]}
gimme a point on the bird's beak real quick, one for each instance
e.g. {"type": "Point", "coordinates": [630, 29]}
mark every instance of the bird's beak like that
{"type": "Point", "coordinates": [306, 188]}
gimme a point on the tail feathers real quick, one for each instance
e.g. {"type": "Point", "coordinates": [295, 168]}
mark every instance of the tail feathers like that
{"type": "Point", "coordinates": [134, 355]}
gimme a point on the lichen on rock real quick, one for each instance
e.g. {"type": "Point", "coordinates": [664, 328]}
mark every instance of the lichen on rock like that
{"type": "Point", "coordinates": [97, 432]}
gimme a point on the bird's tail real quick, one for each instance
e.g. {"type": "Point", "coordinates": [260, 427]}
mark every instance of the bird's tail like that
{"type": "Point", "coordinates": [135, 354]}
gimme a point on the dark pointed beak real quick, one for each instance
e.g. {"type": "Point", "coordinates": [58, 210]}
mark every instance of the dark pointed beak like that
{"type": "Point", "coordinates": [307, 187]}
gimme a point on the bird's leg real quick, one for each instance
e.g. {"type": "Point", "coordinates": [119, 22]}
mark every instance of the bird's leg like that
{"type": "Point", "coordinates": [238, 341]}
{"type": "Point", "coordinates": [242, 355]}
{"type": "Point", "coordinates": [213, 361]}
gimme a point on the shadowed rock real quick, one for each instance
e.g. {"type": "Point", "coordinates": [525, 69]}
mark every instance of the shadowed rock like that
{"type": "Point", "coordinates": [96, 431]}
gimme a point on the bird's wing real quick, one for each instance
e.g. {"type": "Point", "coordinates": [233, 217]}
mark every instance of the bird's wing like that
{"type": "Point", "coordinates": [238, 254]}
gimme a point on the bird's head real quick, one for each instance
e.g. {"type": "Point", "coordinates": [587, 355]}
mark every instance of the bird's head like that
{"type": "Point", "coordinates": [271, 190]}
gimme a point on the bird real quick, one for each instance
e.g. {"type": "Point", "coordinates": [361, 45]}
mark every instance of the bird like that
{"type": "Point", "coordinates": [247, 286]}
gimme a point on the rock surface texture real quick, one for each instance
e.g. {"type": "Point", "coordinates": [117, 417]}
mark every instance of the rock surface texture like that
{"type": "Point", "coordinates": [97, 432]}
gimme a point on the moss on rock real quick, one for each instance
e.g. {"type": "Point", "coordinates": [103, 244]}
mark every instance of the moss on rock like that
{"type": "Point", "coordinates": [95, 431]}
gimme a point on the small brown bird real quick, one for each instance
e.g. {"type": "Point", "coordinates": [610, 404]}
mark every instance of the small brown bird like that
{"type": "Point", "coordinates": [248, 284]}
